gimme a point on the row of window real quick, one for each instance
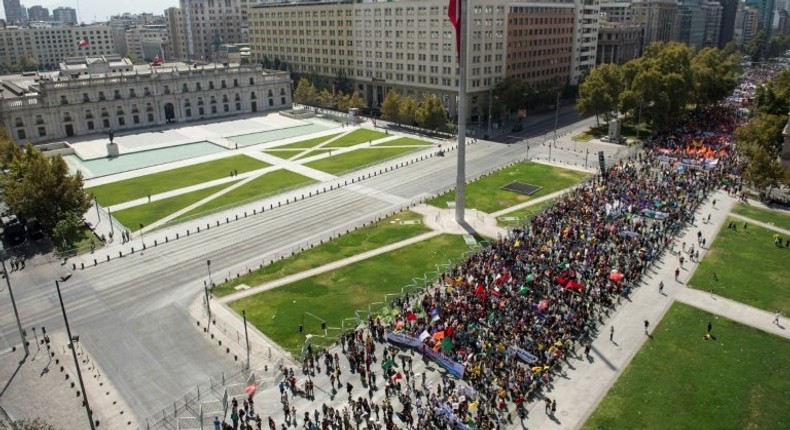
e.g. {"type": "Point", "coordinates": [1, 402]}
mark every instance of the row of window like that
{"type": "Point", "coordinates": [121, 120]}
{"type": "Point", "coordinates": [86, 98]}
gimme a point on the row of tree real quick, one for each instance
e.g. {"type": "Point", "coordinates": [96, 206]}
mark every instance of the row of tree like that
{"type": "Point", "coordinates": [35, 186]}
{"type": "Point", "coordinates": [760, 141]}
{"type": "Point", "coordinates": [307, 94]}
{"type": "Point", "coordinates": [428, 113]}
{"type": "Point", "coordinates": [660, 85]}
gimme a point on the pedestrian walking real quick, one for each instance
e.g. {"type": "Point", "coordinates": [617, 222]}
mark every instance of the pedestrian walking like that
{"type": "Point", "coordinates": [715, 277]}
{"type": "Point", "coordinates": [647, 326]}
{"type": "Point", "coordinates": [611, 333]}
{"type": "Point", "coordinates": [553, 407]}
{"type": "Point", "coordinates": [587, 347]}
{"type": "Point", "coordinates": [776, 317]}
{"type": "Point", "coordinates": [677, 273]}
{"type": "Point", "coordinates": [548, 405]}
{"type": "Point", "coordinates": [149, 198]}
{"type": "Point", "coordinates": [661, 287]}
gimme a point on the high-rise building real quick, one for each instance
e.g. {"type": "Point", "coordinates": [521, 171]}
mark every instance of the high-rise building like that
{"type": "Point", "coordinates": [585, 38]}
{"type": "Point", "coordinates": [660, 19]}
{"type": "Point", "coordinates": [207, 24]}
{"type": "Point", "coordinates": [691, 23]}
{"type": "Point", "coordinates": [713, 12]}
{"type": "Point", "coordinates": [38, 13]}
{"type": "Point", "coordinates": [727, 29]}
{"type": "Point", "coordinates": [767, 17]}
{"type": "Point", "coordinates": [65, 15]}
{"type": "Point", "coordinates": [14, 12]}
{"type": "Point", "coordinates": [618, 42]}
{"type": "Point", "coordinates": [49, 46]}
{"type": "Point", "coordinates": [146, 41]}
{"type": "Point", "coordinates": [176, 47]}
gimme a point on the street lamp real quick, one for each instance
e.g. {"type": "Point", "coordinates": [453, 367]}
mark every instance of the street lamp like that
{"type": "Point", "coordinates": [16, 312]}
{"type": "Point", "coordinates": [208, 266]}
{"type": "Point", "coordinates": [556, 119]}
{"type": "Point", "coordinates": [142, 239]}
{"type": "Point", "coordinates": [73, 339]}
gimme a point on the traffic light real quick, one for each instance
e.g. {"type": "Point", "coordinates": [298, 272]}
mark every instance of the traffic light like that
{"type": "Point", "coordinates": [301, 329]}
{"type": "Point", "coordinates": [323, 325]}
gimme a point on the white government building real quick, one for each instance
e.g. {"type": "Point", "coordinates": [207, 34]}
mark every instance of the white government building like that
{"type": "Point", "coordinates": [97, 94]}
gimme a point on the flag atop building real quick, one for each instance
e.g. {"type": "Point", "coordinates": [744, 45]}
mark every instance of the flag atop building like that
{"type": "Point", "coordinates": [157, 61]}
{"type": "Point", "coordinates": [83, 43]}
{"type": "Point", "coordinates": [454, 13]}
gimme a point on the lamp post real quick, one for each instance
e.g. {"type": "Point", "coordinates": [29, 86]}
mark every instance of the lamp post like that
{"type": "Point", "coordinates": [16, 312]}
{"type": "Point", "coordinates": [76, 361]}
{"type": "Point", "coordinates": [246, 337]}
{"type": "Point", "coordinates": [556, 118]}
{"type": "Point", "coordinates": [639, 120]}
{"type": "Point", "coordinates": [142, 239]}
{"type": "Point", "coordinates": [208, 266]}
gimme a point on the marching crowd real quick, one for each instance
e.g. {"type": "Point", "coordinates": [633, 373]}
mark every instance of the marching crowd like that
{"type": "Point", "coordinates": [511, 314]}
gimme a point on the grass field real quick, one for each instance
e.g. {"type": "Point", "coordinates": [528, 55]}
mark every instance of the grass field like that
{"type": "Point", "coordinates": [335, 295]}
{"type": "Point", "coordinates": [357, 159]}
{"type": "Point", "coordinates": [749, 267]}
{"type": "Point", "coordinates": [264, 185]}
{"type": "Point", "coordinates": [486, 194]}
{"type": "Point", "coordinates": [304, 144]}
{"type": "Point", "coordinates": [584, 137]}
{"type": "Point", "coordinates": [356, 137]}
{"type": "Point", "coordinates": [405, 141]}
{"type": "Point", "coordinates": [148, 213]}
{"type": "Point", "coordinates": [677, 380]}
{"type": "Point", "coordinates": [778, 218]}
{"type": "Point", "coordinates": [527, 214]}
{"type": "Point", "coordinates": [136, 188]}
{"type": "Point", "coordinates": [383, 233]}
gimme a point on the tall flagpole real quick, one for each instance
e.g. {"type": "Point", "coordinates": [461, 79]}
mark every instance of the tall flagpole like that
{"type": "Point", "coordinates": [460, 180]}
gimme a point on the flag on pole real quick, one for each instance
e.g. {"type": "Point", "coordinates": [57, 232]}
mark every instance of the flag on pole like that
{"type": "Point", "coordinates": [157, 61]}
{"type": "Point", "coordinates": [83, 43]}
{"type": "Point", "coordinates": [454, 13]}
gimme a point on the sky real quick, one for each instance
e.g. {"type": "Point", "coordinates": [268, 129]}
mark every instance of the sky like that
{"type": "Point", "coordinates": [100, 10]}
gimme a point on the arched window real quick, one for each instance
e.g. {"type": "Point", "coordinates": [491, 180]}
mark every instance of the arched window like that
{"type": "Point", "coordinates": [252, 95]}
{"type": "Point", "coordinates": [282, 91]}
{"type": "Point", "coordinates": [213, 100]}
{"type": "Point", "coordinates": [18, 122]}
{"type": "Point", "coordinates": [200, 101]}
{"type": "Point", "coordinates": [270, 93]}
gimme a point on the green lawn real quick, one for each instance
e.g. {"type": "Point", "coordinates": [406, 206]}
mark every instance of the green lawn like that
{"type": "Point", "coordinates": [135, 188]}
{"type": "Point", "coordinates": [264, 185]}
{"type": "Point", "coordinates": [405, 141]}
{"type": "Point", "coordinates": [677, 380]}
{"type": "Point", "coordinates": [527, 213]}
{"type": "Point", "coordinates": [778, 218]}
{"type": "Point", "coordinates": [304, 144]}
{"type": "Point", "coordinates": [357, 159]}
{"type": "Point", "coordinates": [335, 295]}
{"type": "Point", "coordinates": [584, 137]}
{"type": "Point", "coordinates": [487, 195]}
{"type": "Point", "coordinates": [383, 233]}
{"type": "Point", "coordinates": [749, 267]}
{"type": "Point", "coordinates": [356, 137]}
{"type": "Point", "coordinates": [148, 213]}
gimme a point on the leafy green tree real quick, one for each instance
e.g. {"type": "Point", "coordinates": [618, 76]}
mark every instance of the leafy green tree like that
{"type": "Point", "coordinates": [778, 45]}
{"type": "Point", "coordinates": [305, 93]}
{"type": "Point", "coordinates": [660, 83]}
{"type": "Point", "coordinates": [325, 99]}
{"type": "Point", "coordinates": [390, 108]}
{"type": "Point", "coordinates": [754, 48]}
{"type": "Point", "coordinates": [599, 94]}
{"type": "Point", "coordinates": [430, 114]}
{"type": "Point", "coordinates": [355, 100]}
{"type": "Point", "coordinates": [715, 75]}
{"type": "Point", "coordinates": [39, 187]}
{"type": "Point", "coordinates": [512, 93]}
{"type": "Point", "coordinates": [135, 59]}
{"type": "Point", "coordinates": [67, 232]}
{"type": "Point", "coordinates": [407, 111]}
{"type": "Point", "coordinates": [27, 424]}
{"type": "Point", "coordinates": [763, 170]}
{"type": "Point", "coordinates": [764, 132]}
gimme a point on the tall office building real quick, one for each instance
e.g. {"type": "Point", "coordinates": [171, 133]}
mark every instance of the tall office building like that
{"type": "Point", "coordinates": [38, 13]}
{"type": "Point", "coordinates": [207, 24]}
{"type": "Point", "coordinates": [175, 47]}
{"type": "Point", "coordinates": [51, 45]}
{"type": "Point", "coordinates": [713, 12]}
{"type": "Point", "coordinates": [767, 17]}
{"type": "Point", "coordinates": [660, 19]}
{"type": "Point", "coordinates": [691, 23]}
{"type": "Point", "coordinates": [66, 15]}
{"type": "Point", "coordinates": [727, 29]}
{"type": "Point", "coordinates": [14, 12]}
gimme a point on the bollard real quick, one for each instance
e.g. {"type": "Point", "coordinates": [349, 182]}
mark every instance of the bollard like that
{"type": "Point", "coordinates": [176, 236]}
{"type": "Point", "coordinates": [271, 206]}
{"type": "Point", "coordinates": [235, 357]}
{"type": "Point", "coordinates": [95, 262]}
{"type": "Point", "coordinates": [187, 232]}
{"type": "Point", "coordinates": [254, 211]}
{"type": "Point", "coordinates": [287, 201]}
{"type": "Point", "coordinates": [245, 214]}
{"type": "Point", "coordinates": [198, 229]}
{"type": "Point", "coordinates": [155, 244]}
{"type": "Point", "coordinates": [143, 246]}
{"type": "Point", "coordinates": [73, 266]}
{"type": "Point", "coordinates": [302, 196]}
{"type": "Point", "coordinates": [227, 350]}
{"type": "Point", "coordinates": [166, 240]}
{"type": "Point", "coordinates": [108, 258]}
{"type": "Point", "coordinates": [226, 220]}
{"type": "Point", "coordinates": [212, 335]}
{"type": "Point", "coordinates": [82, 265]}
{"type": "Point", "coordinates": [220, 342]}
{"type": "Point", "coordinates": [132, 250]}
{"type": "Point", "coordinates": [208, 226]}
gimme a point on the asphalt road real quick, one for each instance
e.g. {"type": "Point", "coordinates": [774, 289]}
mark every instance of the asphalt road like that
{"type": "Point", "coordinates": [130, 313]}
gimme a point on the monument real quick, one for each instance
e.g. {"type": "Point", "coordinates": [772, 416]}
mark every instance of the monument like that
{"type": "Point", "coordinates": [112, 148]}
{"type": "Point", "coordinates": [614, 130]}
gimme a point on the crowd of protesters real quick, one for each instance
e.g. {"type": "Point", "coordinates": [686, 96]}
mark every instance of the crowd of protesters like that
{"type": "Point", "coordinates": [511, 314]}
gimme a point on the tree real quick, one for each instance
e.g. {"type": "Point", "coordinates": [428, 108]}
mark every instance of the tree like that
{"type": "Point", "coordinates": [778, 45]}
{"type": "Point", "coordinates": [407, 111]}
{"type": "Point", "coordinates": [39, 187]}
{"type": "Point", "coordinates": [715, 75]}
{"type": "Point", "coordinates": [305, 93]}
{"type": "Point", "coordinates": [28, 63]}
{"type": "Point", "coordinates": [430, 114]}
{"type": "Point", "coordinates": [135, 59]}
{"type": "Point", "coordinates": [764, 170]}
{"type": "Point", "coordinates": [755, 46]}
{"type": "Point", "coordinates": [356, 100]}
{"type": "Point", "coordinates": [512, 92]}
{"type": "Point", "coordinates": [764, 132]}
{"type": "Point", "coordinates": [27, 424]}
{"type": "Point", "coordinates": [325, 99]}
{"type": "Point", "coordinates": [67, 232]}
{"type": "Point", "coordinates": [660, 83]}
{"type": "Point", "coordinates": [390, 108]}
{"type": "Point", "coordinates": [599, 94]}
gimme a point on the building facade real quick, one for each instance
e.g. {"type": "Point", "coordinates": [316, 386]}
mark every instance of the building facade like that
{"type": "Point", "coordinates": [727, 29]}
{"type": "Point", "coordinates": [618, 42]}
{"type": "Point", "coordinates": [66, 15]}
{"type": "Point", "coordinates": [691, 23]}
{"type": "Point", "coordinates": [660, 19]}
{"type": "Point", "coordinates": [97, 95]}
{"type": "Point", "coordinates": [15, 14]}
{"type": "Point", "coordinates": [146, 41]}
{"type": "Point", "coordinates": [49, 46]}
{"type": "Point", "coordinates": [204, 25]}
{"type": "Point", "coordinates": [585, 39]}
{"type": "Point", "coordinates": [714, 13]}
{"type": "Point", "coordinates": [38, 13]}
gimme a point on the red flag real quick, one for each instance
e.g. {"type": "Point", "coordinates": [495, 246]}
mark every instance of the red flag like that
{"type": "Point", "coordinates": [454, 13]}
{"type": "Point", "coordinates": [157, 61]}
{"type": "Point", "coordinates": [83, 43]}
